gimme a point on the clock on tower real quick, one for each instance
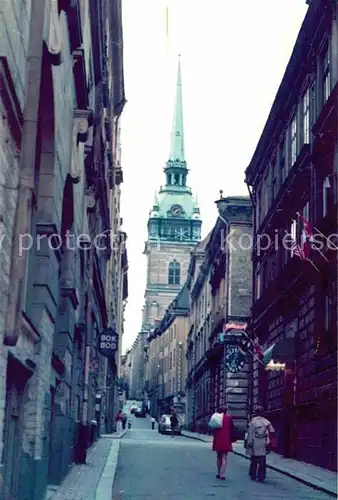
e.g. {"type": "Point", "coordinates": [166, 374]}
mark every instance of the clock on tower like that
{"type": "Point", "coordinates": [234, 360]}
{"type": "Point", "coordinates": [176, 210]}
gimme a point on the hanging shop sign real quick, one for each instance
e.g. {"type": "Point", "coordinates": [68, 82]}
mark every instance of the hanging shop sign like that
{"type": "Point", "coordinates": [108, 343]}
{"type": "Point", "coordinates": [236, 326]}
{"type": "Point", "coordinates": [234, 359]}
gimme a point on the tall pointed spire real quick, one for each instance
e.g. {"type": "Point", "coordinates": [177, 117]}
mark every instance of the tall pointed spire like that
{"type": "Point", "coordinates": [177, 135]}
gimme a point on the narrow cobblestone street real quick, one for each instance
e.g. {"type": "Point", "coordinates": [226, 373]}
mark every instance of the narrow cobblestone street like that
{"type": "Point", "coordinates": [153, 467]}
{"type": "Point", "coordinates": [82, 480]}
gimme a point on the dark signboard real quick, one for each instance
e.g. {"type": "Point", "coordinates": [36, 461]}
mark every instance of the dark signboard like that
{"type": "Point", "coordinates": [108, 343]}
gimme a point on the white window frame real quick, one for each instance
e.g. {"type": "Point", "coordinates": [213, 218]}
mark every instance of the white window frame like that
{"type": "Point", "coordinates": [326, 187]}
{"type": "Point", "coordinates": [293, 139]}
{"type": "Point", "coordinates": [293, 233]}
{"type": "Point", "coordinates": [306, 211]}
{"type": "Point", "coordinates": [258, 283]}
{"type": "Point", "coordinates": [282, 154]}
{"type": "Point", "coordinates": [326, 72]}
{"type": "Point", "coordinates": [306, 116]}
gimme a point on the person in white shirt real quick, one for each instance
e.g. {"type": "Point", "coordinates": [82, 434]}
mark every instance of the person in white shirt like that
{"type": "Point", "coordinates": [260, 439]}
{"type": "Point", "coordinates": [153, 421]}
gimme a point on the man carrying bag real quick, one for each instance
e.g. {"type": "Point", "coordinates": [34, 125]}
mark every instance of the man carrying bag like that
{"type": "Point", "coordinates": [260, 440]}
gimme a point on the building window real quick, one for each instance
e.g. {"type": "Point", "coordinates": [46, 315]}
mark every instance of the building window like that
{"type": "Point", "coordinates": [273, 177]}
{"type": "Point", "coordinates": [265, 192]}
{"type": "Point", "coordinates": [306, 116]}
{"type": "Point", "coordinates": [258, 283]}
{"type": "Point", "coordinates": [326, 84]}
{"type": "Point", "coordinates": [174, 273]}
{"type": "Point", "coordinates": [326, 187]}
{"type": "Point", "coordinates": [294, 140]}
{"type": "Point", "coordinates": [258, 207]}
{"type": "Point", "coordinates": [306, 211]}
{"type": "Point", "coordinates": [282, 160]}
{"type": "Point", "coordinates": [153, 229]}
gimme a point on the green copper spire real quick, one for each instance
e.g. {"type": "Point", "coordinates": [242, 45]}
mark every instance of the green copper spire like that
{"type": "Point", "coordinates": [177, 137]}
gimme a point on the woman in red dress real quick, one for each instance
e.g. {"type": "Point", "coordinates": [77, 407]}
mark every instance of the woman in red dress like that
{"type": "Point", "coordinates": [222, 443]}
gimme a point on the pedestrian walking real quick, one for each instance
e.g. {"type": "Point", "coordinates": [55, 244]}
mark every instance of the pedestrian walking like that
{"type": "Point", "coordinates": [173, 423]}
{"type": "Point", "coordinates": [124, 420]}
{"type": "Point", "coordinates": [222, 442]}
{"type": "Point", "coordinates": [118, 420]}
{"type": "Point", "coordinates": [153, 421]}
{"type": "Point", "coordinates": [260, 440]}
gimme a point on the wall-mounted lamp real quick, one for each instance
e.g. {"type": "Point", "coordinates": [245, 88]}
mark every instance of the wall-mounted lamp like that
{"type": "Point", "coordinates": [272, 366]}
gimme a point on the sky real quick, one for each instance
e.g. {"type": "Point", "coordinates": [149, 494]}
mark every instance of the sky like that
{"type": "Point", "coordinates": [233, 57]}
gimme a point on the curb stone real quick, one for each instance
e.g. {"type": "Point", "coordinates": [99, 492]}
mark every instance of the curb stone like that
{"type": "Point", "coordinates": [277, 469]}
{"type": "Point", "coordinates": [105, 486]}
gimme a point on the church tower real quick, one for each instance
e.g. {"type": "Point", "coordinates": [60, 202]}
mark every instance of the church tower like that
{"type": "Point", "coordinates": [174, 226]}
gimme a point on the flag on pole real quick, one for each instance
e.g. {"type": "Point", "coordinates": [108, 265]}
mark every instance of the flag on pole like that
{"type": "Point", "coordinates": [258, 351]}
{"type": "Point", "coordinates": [301, 233]}
{"type": "Point", "coordinates": [252, 346]}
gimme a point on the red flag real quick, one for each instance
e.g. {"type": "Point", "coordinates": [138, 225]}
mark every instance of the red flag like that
{"type": "Point", "coordinates": [257, 348]}
{"type": "Point", "coordinates": [298, 251]}
{"type": "Point", "coordinates": [307, 228]}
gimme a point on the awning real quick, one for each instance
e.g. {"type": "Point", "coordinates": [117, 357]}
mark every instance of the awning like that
{"type": "Point", "coordinates": [282, 351]}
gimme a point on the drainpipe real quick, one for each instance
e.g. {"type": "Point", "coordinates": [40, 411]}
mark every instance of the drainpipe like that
{"type": "Point", "coordinates": [26, 184]}
{"type": "Point", "coordinates": [85, 409]}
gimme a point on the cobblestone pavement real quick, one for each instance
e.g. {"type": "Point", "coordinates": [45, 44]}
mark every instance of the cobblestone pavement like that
{"type": "Point", "coordinates": [82, 480]}
{"type": "Point", "coordinates": [156, 467]}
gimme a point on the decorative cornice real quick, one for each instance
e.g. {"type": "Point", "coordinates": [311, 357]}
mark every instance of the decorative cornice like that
{"type": "Point", "coordinates": [235, 209]}
{"type": "Point", "coordinates": [53, 31]}
{"type": "Point", "coordinates": [80, 131]}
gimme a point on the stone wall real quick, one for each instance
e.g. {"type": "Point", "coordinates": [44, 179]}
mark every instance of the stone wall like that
{"type": "Point", "coordinates": [158, 290]}
{"type": "Point", "coordinates": [239, 270]}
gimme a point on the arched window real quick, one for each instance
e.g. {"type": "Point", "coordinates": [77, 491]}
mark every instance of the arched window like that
{"type": "Point", "coordinates": [174, 273]}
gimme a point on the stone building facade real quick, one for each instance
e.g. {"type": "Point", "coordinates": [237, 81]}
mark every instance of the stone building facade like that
{"type": "Point", "coordinates": [293, 173]}
{"type": "Point", "coordinates": [200, 308]}
{"type": "Point", "coordinates": [167, 347]}
{"type": "Point", "coordinates": [220, 300]}
{"type": "Point", "coordinates": [137, 368]}
{"type": "Point", "coordinates": [126, 372]}
{"type": "Point", "coordinates": [54, 193]}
